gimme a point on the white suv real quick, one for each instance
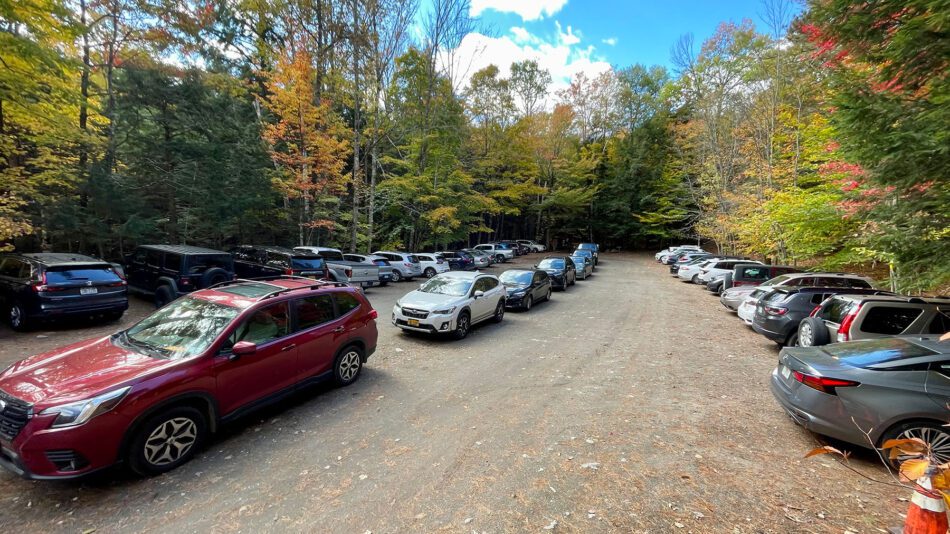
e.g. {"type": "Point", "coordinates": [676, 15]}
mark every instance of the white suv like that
{"type": "Point", "coordinates": [450, 303]}
{"type": "Point", "coordinates": [501, 255]}
{"type": "Point", "coordinates": [405, 266]}
{"type": "Point", "coordinates": [720, 268]}
{"type": "Point", "coordinates": [432, 264]}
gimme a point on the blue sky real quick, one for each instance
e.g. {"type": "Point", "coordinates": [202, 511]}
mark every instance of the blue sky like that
{"type": "Point", "coordinates": [590, 36]}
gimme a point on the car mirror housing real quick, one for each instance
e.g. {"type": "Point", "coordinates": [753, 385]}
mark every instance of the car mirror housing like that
{"type": "Point", "coordinates": [479, 294]}
{"type": "Point", "coordinates": [243, 348]}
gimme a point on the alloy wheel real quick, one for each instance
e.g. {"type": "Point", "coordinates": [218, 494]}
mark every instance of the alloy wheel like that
{"type": "Point", "coordinates": [16, 316]}
{"type": "Point", "coordinates": [938, 441]}
{"type": "Point", "coordinates": [350, 365]}
{"type": "Point", "coordinates": [170, 441]}
{"type": "Point", "coordinates": [430, 272]}
{"type": "Point", "coordinates": [462, 326]}
{"type": "Point", "coordinates": [397, 276]}
{"type": "Point", "coordinates": [805, 336]}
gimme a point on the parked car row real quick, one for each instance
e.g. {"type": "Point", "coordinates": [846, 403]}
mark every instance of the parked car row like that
{"type": "Point", "coordinates": [858, 364]}
{"type": "Point", "coordinates": [451, 303]}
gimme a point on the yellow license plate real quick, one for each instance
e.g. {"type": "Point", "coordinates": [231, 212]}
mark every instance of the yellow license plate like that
{"type": "Point", "coordinates": [413, 322]}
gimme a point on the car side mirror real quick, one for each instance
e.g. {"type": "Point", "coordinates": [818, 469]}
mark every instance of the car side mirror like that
{"type": "Point", "coordinates": [479, 294]}
{"type": "Point", "coordinates": [243, 348]}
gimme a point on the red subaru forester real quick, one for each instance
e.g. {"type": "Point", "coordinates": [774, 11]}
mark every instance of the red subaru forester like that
{"type": "Point", "coordinates": [151, 395]}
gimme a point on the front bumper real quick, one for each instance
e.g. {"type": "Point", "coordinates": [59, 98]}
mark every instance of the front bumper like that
{"type": "Point", "coordinates": [559, 283]}
{"type": "Point", "coordinates": [515, 300]}
{"type": "Point", "coordinates": [431, 324]}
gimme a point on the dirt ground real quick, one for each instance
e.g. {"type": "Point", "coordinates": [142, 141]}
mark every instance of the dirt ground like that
{"type": "Point", "coordinates": [631, 403]}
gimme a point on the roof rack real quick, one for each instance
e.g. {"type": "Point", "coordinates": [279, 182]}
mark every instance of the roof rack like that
{"type": "Point", "coordinates": [278, 289]}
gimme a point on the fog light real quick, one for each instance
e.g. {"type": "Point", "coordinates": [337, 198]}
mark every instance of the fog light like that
{"type": "Point", "coordinates": [445, 326]}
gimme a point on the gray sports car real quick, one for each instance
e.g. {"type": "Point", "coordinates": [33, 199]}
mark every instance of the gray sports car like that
{"type": "Point", "coordinates": [894, 387]}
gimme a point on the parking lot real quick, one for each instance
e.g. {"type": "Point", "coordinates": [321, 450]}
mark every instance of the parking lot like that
{"type": "Point", "coordinates": [632, 402]}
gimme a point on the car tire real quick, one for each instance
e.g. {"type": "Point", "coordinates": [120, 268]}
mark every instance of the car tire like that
{"type": "Point", "coordinates": [527, 303]}
{"type": "Point", "coordinates": [429, 272]}
{"type": "Point", "coordinates": [792, 340]}
{"type": "Point", "coordinates": [184, 430]}
{"type": "Point", "coordinates": [163, 295]}
{"type": "Point", "coordinates": [547, 297]}
{"type": "Point", "coordinates": [499, 259]}
{"type": "Point", "coordinates": [397, 276]}
{"type": "Point", "coordinates": [573, 279]}
{"type": "Point", "coordinates": [499, 311]}
{"type": "Point", "coordinates": [214, 276]}
{"type": "Point", "coordinates": [348, 366]}
{"type": "Point", "coordinates": [694, 279]}
{"type": "Point", "coordinates": [462, 325]}
{"type": "Point", "coordinates": [812, 332]}
{"type": "Point", "coordinates": [114, 316]}
{"type": "Point", "coordinates": [17, 318]}
{"type": "Point", "coordinates": [925, 430]}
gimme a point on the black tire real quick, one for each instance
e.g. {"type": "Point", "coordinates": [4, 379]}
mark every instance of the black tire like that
{"type": "Point", "coordinates": [163, 295]}
{"type": "Point", "coordinates": [792, 340]}
{"type": "Point", "coordinates": [526, 305]}
{"type": "Point", "coordinates": [16, 316]}
{"type": "Point", "coordinates": [925, 430]}
{"type": "Point", "coordinates": [499, 311]}
{"type": "Point", "coordinates": [148, 455]}
{"type": "Point", "coordinates": [548, 296]}
{"type": "Point", "coordinates": [695, 279]}
{"type": "Point", "coordinates": [213, 276]}
{"type": "Point", "coordinates": [574, 279]}
{"type": "Point", "coordinates": [348, 365]}
{"type": "Point", "coordinates": [812, 332]}
{"type": "Point", "coordinates": [429, 272]}
{"type": "Point", "coordinates": [499, 259]}
{"type": "Point", "coordinates": [462, 325]}
{"type": "Point", "coordinates": [397, 276]}
{"type": "Point", "coordinates": [114, 316]}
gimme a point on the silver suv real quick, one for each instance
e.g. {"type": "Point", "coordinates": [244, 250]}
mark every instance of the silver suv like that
{"type": "Point", "coordinates": [852, 317]}
{"type": "Point", "coordinates": [405, 266]}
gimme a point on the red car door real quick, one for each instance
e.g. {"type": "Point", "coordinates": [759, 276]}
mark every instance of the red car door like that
{"type": "Point", "coordinates": [319, 332]}
{"type": "Point", "coordinates": [243, 379]}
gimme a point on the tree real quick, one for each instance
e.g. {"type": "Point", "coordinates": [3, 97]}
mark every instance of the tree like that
{"type": "Point", "coordinates": [530, 84]}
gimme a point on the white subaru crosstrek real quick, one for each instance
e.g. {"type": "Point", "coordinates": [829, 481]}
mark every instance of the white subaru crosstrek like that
{"type": "Point", "coordinates": [450, 303]}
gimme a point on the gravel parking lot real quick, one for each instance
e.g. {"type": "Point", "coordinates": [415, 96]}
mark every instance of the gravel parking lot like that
{"type": "Point", "coordinates": [632, 402]}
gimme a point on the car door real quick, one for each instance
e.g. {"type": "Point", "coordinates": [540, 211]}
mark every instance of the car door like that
{"type": "Point", "coordinates": [319, 333]}
{"type": "Point", "coordinates": [135, 270]}
{"type": "Point", "coordinates": [481, 306]}
{"type": "Point", "coordinates": [242, 380]}
{"type": "Point", "coordinates": [937, 387]}
{"type": "Point", "coordinates": [538, 289]}
{"type": "Point", "coordinates": [14, 280]}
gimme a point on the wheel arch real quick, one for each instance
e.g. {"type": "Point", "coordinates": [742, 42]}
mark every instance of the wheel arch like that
{"type": "Point", "coordinates": [200, 400]}
{"type": "Point", "coordinates": [357, 342]}
{"type": "Point", "coordinates": [904, 420]}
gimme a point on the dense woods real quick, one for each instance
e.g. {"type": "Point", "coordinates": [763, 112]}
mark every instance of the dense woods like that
{"type": "Point", "coordinates": [819, 140]}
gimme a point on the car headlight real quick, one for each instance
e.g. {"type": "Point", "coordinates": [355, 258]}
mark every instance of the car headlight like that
{"type": "Point", "coordinates": [397, 307]}
{"type": "Point", "coordinates": [77, 413]}
{"type": "Point", "coordinates": [447, 311]}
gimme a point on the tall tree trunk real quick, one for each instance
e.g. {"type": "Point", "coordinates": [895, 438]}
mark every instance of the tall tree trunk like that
{"type": "Point", "coordinates": [354, 223]}
{"type": "Point", "coordinates": [84, 107]}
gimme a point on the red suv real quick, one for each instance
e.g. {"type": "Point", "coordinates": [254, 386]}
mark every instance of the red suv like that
{"type": "Point", "coordinates": [151, 395]}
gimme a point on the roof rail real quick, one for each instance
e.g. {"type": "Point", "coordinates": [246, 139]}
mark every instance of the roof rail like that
{"type": "Point", "coordinates": [278, 289]}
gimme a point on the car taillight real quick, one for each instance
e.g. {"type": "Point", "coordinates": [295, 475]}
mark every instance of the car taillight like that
{"type": "Point", "coordinates": [120, 283]}
{"type": "Point", "coordinates": [844, 331]}
{"type": "Point", "coordinates": [775, 311]}
{"type": "Point", "coordinates": [824, 384]}
{"type": "Point", "coordinates": [815, 311]}
{"type": "Point", "coordinates": [288, 271]}
{"type": "Point", "coordinates": [40, 285]}
{"type": "Point", "coordinates": [374, 314]}
{"type": "Point", "coordinates": [119, 274]}
{"type": "Point", "coordinates": [184, 281]}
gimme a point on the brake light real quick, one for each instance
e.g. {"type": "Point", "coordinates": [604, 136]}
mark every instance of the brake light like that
{"type": "Point", "coordinates": [40, 285]}
{"type": "Point", "coordinates": [184, 281]}
{"type": "Point", "coordinates": [775, 311]}
{"type": "Point", "coordinates": [288, 271]}
{"type": "Point", "coordinates": [824, 384]}
{"type": "Point", "coordinates": [815, 311]}
{"type": "Point", "coordinates": [120, 283]}
{"type": "Point", "coordinates": [844, 331]}
{"type": "Point", "coordinates": [119, 274]}
{"type": "Point", "coordinates": [373, 314]}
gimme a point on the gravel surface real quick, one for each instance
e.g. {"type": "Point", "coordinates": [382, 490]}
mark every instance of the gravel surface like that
{"type": "Point", "coordinates": [631, 403]}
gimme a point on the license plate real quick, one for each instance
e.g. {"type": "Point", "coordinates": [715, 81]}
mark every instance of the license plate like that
{"type": "Point", "coordinates": [413, 322]}
{"type": "Point", "coordinates": [88, 290]}
{"type": "Point", "coordinates": [786, 371]}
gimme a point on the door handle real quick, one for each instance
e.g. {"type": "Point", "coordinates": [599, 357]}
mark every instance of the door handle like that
{"type": "Point", "coordinates": [338, 329]}
{"type": "Point", "coordinates": [288, 347]}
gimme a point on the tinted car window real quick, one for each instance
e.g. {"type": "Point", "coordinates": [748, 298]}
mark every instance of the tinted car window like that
{"type": "Point", "coordinates": [774, 297]}
{"type": "Point", "coordinates": [172, 261]}
{"type": "Point", "coordinates": [306, 263]}
{"type": "Point", "coordinates": [857, 282]}
{"type": "Point", "coordinates": [275, 259]}
{"type": "Point", "coordinates": [889, 320]}
{"type": "Point", "coordinates": [823, 281]}
{"type": "Point", "coordinates": [153, 258]}
{"type": "Point", "coordinates": [265, 325]}
{"type": "Point", "coordinates": [818, 298]}
{"type": "Point", "coordinates": [11, 267]}
{"type": "Point", "coordinates": [753, 273]}
{"type": "Point", "coordinates": [200, 262]}
{"type": "Point", "coordinates": [82, 274]}
{"type": "Point", "coordinates": [835, 310]}
{"type": "Point", "coordinates": [139, 256]}
{"type": "Point", "coordinates": [345, 303]}
{"type": "Point", "coordinates": [313, 311]}
{"type": "Point", "coordinates": [805, 281]}
{"type": "Point", "coordinates": [331, 255]}
{"type": "Point", "coordinates": [940, 324]}
{"type": "Point", "coordinates": [777, 280]}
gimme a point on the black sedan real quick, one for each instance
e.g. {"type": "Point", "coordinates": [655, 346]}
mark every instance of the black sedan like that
{"type": "Point", "coordinates": [560, 269]}
{"type": "Point", "coordinates": [525, 287]}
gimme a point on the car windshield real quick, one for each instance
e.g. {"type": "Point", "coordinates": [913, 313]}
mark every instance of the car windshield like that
{"type": "Point", "coordinates": [447, 285]}
{"type": "Point", "coordinates": [516, 278]}
{"type": "Point", "coordinates": [182, 329]}
{"type": "Point", "coordinates": [578, 260]}
{"type": "Point", "coordinates": [551, 264]}
{"type": "Point", "coordinates": [582, 252]}
{"type": "Point", "coordinates": [306, 263]}
{"type": "Point", "coordinates": [874, 352]}
{"type": "Point", "coordinates": [81, 274]}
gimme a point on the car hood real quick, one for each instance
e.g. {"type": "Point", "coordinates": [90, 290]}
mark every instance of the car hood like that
{"type": "Point", "coordinates": [554, 272]}
{"type": "Point", "coordinates": [515, 288]}
{"type": "Point", "coordinates": [76, 372]}
{"type": "Point", "coordinates": [427, 301]}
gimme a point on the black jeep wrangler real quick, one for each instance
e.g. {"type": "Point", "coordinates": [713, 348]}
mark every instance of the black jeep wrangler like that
{"type": "Point", "coordinates": [165, 272]}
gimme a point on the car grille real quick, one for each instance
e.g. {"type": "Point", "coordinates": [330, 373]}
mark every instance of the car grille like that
{"type": "Point", "coordinates": [414, 313]}
{"type": "Point", "coordinates": [13, 416]}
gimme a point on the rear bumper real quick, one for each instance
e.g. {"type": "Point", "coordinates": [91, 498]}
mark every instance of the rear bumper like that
{"type": "Point", "coordinates": [776, 335]}
{"type": "Point", "coordinates": [816, 411]}
{"type": "Point", "coordinates": [50, 309]}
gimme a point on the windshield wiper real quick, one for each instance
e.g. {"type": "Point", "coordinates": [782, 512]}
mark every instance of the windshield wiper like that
{"type": "Point", "coordinates": [131, 341]}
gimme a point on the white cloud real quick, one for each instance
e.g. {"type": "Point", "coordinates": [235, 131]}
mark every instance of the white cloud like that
{"type": "Point", "coordinates": [561, 56]}
{"type": "Point", "coordinates": [610, 41]}
{"type": "Point", "coordinates": [526, 9]}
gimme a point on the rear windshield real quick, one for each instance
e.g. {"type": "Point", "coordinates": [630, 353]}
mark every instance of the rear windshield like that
{"type": "Point", "coordinates": [81, 274]}
{"type": "Point", "coordinates": [744, 272]}
{"type": "Point", "coordinates": [774, 297]}
{"type": "Point", "coordinates": [876, 351]}
{"type": "Point", "coordinates": [306, 263]}
{"type": "Point", "coordinates": [331, 255]}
